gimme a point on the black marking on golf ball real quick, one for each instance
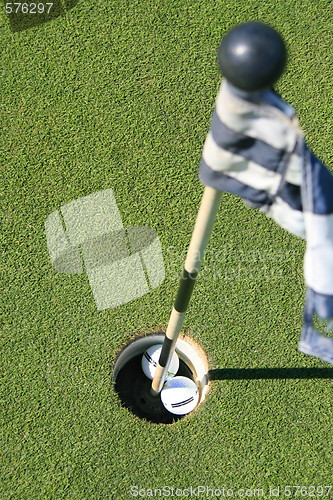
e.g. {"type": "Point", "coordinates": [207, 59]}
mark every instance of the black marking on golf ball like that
{"type": "Point", "coordinates": [150, 359]}
{"type": "Point", "coordinates": [133, 389]}
{"type": "Point", "coordinates": [182, 403]}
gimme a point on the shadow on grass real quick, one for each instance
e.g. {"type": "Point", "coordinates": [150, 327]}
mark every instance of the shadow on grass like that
{"type": "Point", "coordinates": [269, 373]}
{"type": "Point", "coordinates": [25, 15]}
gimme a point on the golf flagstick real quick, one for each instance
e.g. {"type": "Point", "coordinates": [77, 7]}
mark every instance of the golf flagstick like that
{"type": "Point", "coordinates": [252, 57]}
{"type": "Point", "coordinates": [209, 206]}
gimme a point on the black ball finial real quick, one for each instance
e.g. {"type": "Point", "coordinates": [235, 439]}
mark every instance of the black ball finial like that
{"type": "Point", "coordinates": [252, 56]}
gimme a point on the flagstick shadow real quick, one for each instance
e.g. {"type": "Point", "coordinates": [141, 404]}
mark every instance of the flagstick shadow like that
{"type": "Point", "coordinates": [269, 373]}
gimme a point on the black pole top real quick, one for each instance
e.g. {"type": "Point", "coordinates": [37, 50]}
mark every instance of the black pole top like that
{"type": "Point", "coordinates": [252, 56]}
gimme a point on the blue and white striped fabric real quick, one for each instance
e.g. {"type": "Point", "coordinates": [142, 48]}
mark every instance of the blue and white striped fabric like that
{"type": "Point", "coordinates": [255, 149]}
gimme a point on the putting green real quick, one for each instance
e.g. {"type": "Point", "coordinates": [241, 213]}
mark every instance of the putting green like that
{"type": "Point", "coordinates": [120, 95]}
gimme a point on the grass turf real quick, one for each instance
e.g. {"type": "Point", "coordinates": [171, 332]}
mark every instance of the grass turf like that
{"type": "Point", "coordinates": [121, 96]}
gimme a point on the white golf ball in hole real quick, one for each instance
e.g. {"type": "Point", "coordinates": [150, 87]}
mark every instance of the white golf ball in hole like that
{"type": "Point", "coordinates": [150, 360]}
{"type": "Point", "coordinates": [180, 395]}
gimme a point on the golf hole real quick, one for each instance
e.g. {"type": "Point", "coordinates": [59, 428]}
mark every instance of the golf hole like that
{"type": "Point", "coordinates": [133, 387]}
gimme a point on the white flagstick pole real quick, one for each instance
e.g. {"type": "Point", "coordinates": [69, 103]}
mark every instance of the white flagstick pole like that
{"type": "Point", "coordinates": [210, 204]}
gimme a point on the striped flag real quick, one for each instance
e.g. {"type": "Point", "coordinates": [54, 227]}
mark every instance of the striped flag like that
{"type": "Point", "coordinates": [255, 149]}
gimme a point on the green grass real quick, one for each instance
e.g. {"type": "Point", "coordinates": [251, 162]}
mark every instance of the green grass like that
{"type": "Point", "coordinates": [120, 95]}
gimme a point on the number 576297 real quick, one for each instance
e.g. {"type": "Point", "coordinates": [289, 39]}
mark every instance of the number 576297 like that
{"type": "Point", "coordinates": [25, 8]}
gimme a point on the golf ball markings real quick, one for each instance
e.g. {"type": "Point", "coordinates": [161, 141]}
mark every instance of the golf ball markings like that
{"type": "Point", "coordinates": [180, 395]}
{"type": "Point", "coordinates": [150, 361]}
{"type": "Point", "coordinates": [182, 403]}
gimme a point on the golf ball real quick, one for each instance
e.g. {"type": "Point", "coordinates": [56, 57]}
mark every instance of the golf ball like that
{"type": "Point", "coordinates": [180, 395]}
{"type": "Point", "coordinates": [150, 360]}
